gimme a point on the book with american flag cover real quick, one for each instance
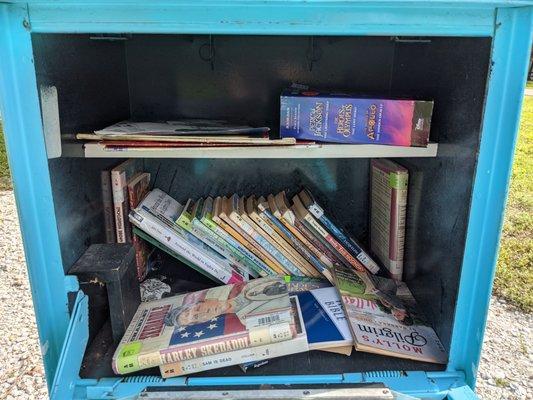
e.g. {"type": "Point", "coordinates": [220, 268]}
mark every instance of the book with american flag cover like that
{"type": "Point", "coordinates": [212, 321]}
{"type": "Point", "coordinates": [298, 344]}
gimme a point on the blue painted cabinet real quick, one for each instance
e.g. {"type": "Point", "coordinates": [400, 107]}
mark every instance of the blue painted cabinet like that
{"type": "Point", "coordinates": [74, 66]}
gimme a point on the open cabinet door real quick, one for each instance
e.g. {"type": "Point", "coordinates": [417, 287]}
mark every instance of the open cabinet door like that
{"type": "Point", "coordinates": [68, 367]}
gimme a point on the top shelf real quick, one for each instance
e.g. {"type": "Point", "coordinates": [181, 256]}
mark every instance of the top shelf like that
{"type": "Point", "coordinates": [96, 150]}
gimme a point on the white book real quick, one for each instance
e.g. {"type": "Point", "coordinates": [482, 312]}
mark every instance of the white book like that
{"type": "Point", "coordinates": [156, 214]}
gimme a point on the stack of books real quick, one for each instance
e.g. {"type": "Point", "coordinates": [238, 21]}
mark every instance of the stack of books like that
{"type": "Point", "coordinates": [236, 238]}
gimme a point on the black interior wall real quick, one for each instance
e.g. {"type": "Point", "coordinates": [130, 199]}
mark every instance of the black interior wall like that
{"type": "Point", "coordinates": [164, 76]}
{"type": "Point", "coordinates": [454, 74]}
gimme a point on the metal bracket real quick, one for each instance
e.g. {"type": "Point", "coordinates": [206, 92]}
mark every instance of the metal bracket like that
{"type": "Point", "coordinates": [110, 38]}
{"type": "Point", "coordinates": [207, 52]}
{"type": "Point", "coordinates": [410, 39]}
{"type": "Point", "coordinates": [313, 53]}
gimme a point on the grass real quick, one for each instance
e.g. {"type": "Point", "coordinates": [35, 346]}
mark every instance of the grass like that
{"type": "Point", "coordinates": [514, 276]}
{"type": "Point", "coordinates": [5, 179]}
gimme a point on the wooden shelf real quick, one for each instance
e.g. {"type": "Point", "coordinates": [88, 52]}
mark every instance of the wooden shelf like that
{"type": "Point", "coordinates": [96, 150]}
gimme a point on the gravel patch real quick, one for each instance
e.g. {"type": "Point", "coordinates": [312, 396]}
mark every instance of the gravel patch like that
{"type": "Point", "coordinates": [506, 363]}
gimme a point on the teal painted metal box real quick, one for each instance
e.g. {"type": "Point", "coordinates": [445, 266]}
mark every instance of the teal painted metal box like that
{"type": "Point", "coordinates": [74, 66]}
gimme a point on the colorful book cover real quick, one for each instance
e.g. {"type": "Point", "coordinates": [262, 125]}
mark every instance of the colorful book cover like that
{"type": "Point", "coordinates": [384, 318]}
{"type": "Point", "coordinates": [207, 322]}
{"type": "Point", "coordinates": [348, 242]}
{"type": "Point", "coordinates": [388, 198]}
{"type": "Point", "coordinates": [138, 187]}
{"type": "Point", "coordinates": [339, 118]}
{"type": "Point", "coordinates": [107, 206]}
{"type": "Point", "coordinates": [298, 344]}
{"type": "Point", "coordinates": [119, 180]}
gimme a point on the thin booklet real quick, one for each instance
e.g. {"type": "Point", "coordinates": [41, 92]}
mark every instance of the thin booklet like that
{"type": "Point", "coordinates": [385, 319]}
{"type": "Point", "coordinates": [180, 127]}
{"type": "Point", "coordinates": [207, 322]}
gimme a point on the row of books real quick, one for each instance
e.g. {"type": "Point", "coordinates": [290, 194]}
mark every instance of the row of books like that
{"type": "Point", "coordinates": [264, 235]}
{"type": "Point", "coordinates": [236, 238]}
{"type": "Point", "coordinates": [248, 323]}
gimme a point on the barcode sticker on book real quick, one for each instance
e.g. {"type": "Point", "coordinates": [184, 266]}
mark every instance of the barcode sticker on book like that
{"type": "Point", "coordinates": [254, 321]}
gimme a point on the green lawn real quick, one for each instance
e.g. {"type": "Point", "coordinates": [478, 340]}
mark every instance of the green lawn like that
{"type": "Point", "coordinates": [514, 276]}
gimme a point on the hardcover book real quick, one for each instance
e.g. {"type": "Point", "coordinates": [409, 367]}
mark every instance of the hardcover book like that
{"type": "Point", "coordinates": [298, 344]}
{"type": "Point", "coordinates": [388, 198]}
{"type": "Point", "coordinates": [349, 243]}
{"type": "Point", "coordinates": [208, 322]}
{"type": "Point", "coordinates": [339, 118]}
{"type": "Point", "coordinates": [138, 187]}
{"type": "Point", "coordinates": [384, 318]}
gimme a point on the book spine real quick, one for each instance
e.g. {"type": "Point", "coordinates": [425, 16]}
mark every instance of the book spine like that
{"type": "Point", "coordinates": [283, 246]}
{"type": "Point", "coordinates": [266, 244]}
{"type": "Point", "coordinates": [151, 226]}
{"type": "Point", "coordinates": [141, 250]}
{"type": "Point", "coordinates": [315, 225]}
{"type": "Point", "coordinates": [264, 335]}
{"type": "Point", "coordinates": [350, 244]}
{"type": "Point", "coordinates": [239, 235]}
{"type": "Point", "coordinates": [254, 354]}
{"type": "Point", "coordinates": [397, 231]}
{"type": "Point", "coordinates": [107, 204]}
{"type": "Point", "coordinates": [297, 244]}
{"type": "Point", "coordinates": [214, 241]}
{"type": "Point", "coordinates": [120, 204]}
{"type": "Point", "coordinates": [254, 262]}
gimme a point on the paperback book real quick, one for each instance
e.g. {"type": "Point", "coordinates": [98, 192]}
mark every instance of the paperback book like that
{"type": "Point", "coordinates": [298, 344]}
{"type": "Point", "coordinates": [138, 187]}
{"type": "Point", "coordinates": [343, 118]}
{"type": "Point", "coordinates": [384, 318]}
{"type": "Point", "coordinates": [120, 175]}
{"type": "Point", "coordinates": [207, 322]}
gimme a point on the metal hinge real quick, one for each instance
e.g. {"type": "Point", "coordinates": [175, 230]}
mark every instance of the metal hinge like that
{"type": "Point", "coordinates": [359, 393]}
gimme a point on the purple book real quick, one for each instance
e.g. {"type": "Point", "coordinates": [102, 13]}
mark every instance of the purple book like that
{"type": "Point", "coordinates": [340, 118]}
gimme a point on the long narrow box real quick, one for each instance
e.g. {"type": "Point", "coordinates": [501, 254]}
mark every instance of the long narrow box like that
{"type": "Point", "coordinates": [341, 118]}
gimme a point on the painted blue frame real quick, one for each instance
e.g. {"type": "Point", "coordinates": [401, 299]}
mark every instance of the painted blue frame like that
{"type": "Point", "coordinates": [508, 22]}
